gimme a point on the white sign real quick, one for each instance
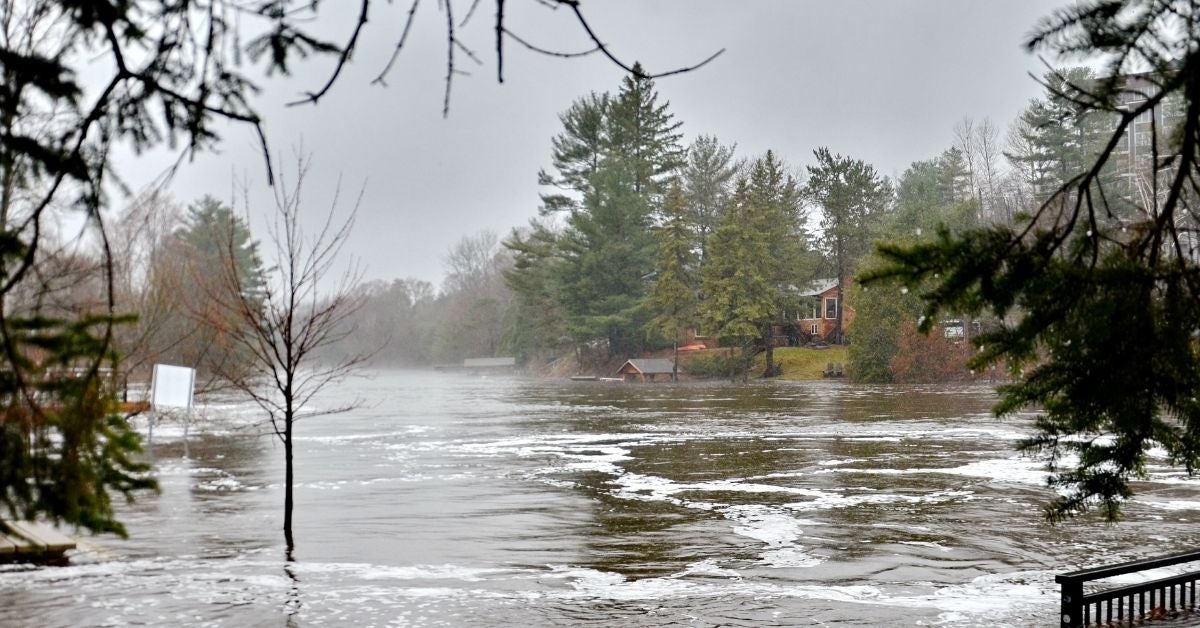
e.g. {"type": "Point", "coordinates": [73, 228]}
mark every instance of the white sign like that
{"type": "Point", "coordinates": [171, 387]}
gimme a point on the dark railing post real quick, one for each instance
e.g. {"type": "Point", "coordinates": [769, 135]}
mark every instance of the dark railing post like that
{"type": "Point", "coordinates": [1072, 602]}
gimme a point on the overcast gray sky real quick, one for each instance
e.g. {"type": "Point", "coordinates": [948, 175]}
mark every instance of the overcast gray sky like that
{"type": "Point", "coordinates": [883, 81]}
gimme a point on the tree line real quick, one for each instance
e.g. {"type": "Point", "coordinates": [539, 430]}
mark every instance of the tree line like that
{"type": "Point", "coordinates": [1064, 239]}
{"type": "Point", "coordinates": [641, 241]}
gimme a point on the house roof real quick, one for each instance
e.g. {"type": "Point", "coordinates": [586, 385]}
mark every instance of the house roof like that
{"type": "Point", "coordinates": [478, 363]}
{"type": "Point", "coordinates": [650, 366]}
{"type": "Point", "coordinates": [816, 287]}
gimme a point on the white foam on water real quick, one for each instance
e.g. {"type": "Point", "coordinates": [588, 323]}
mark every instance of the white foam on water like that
{"type": "Point", "coordinates": [707, 567]}
{"type": "Point", "coordinates": [222, 484]}
{"type": "Point", "coordinates": [368, 571]}
{"type": "Point", "coordinates": [1017, 469]}
{"type": "Point", "coordinates": [930, 544]}
{"type": "Point", "coordinates": [992, 597]}
{"type": "Point", "coordinates": [638, 486]}
{"type": "Point", "coordinates": [406, 431]}
{"type": "Point", "coordinates": [1173, 505]}
{"type": "Point", "coordinates": [830, 501]}
{"type": "Point", "coordinates": [778, 529]}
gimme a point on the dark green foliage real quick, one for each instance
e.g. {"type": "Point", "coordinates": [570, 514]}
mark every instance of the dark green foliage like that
{"type": "Point", "coordinates": [758, 249]}
{"type": "Point", "coordinates": [854, 200]}
{"type": "Point", "coordinates": [1097, 294]}
{"type": "Point", "coordinates": [537, 324]}
{"type": "Point", "coordinates": [925, 202]}
{"type": "Point", "coordinates": [740, 297]}
{"type": "Point", "coordinates": [715, 363]}
{"type": "Point", "coordinates": [610, 162]}
{"type": "Point", "coordinates": [216, 237]}
{"type": "Point", "coordinates": [576, 152]}
{"type": "Point", "coordinates": [644, 133]}
{"type": "Point", "coordinates": [674, 299]}
{"type": "Point", "coordinates": [707, 179]}
{"type": "Point", "coordinates": [63, 455]}
{"type": "Point", "coordinates": [875, 336]}
{"type": "Point", "coordinates": [608, 254]}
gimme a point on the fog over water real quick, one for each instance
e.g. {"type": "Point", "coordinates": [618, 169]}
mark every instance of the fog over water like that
{"type": "Point", "coordinates": [459, 501]}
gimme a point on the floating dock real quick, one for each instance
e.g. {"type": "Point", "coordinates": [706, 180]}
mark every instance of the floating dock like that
{"type": "Point", "coordinates": [29, 541]}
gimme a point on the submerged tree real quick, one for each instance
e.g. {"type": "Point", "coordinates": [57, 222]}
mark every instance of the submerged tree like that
{"type": "Point", "coordinates": [82, 77]}
{"type": "Point", "coordinates": [1106, 393]}
{"type": "Point", "coordinates": [300, 310]}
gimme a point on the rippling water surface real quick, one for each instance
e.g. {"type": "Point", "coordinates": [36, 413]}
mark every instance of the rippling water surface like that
{"type": "Point", "coordinates": [459, 501]}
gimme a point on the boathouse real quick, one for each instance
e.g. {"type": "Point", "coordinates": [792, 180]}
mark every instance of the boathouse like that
{"type": "Point", "coordinates": [646, 369]}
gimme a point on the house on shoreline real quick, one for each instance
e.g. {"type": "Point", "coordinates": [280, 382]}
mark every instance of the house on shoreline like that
{"type": "Point", "coordinates": [817, 316]}
{"type": "Point", "coordinates": [813, 321]}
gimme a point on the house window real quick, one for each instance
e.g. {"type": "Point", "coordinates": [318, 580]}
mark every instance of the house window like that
{"type": "Point", "coordinates": [698, 333]}
{"type": "Point", "coordinates": [813, 330]}
{"type": "Point", "coordinates": [831, 308]}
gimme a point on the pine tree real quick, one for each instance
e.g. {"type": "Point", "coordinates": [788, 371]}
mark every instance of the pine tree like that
{"type": "Point", "coordinates": [738, 296]}
{"type": "Point", "coordinates": [576, 153]}
{"type": "Point", "coordinates": [608, 253]}
{"type": "Point", "coordinates": [673, 298]}
{"type": "Point", "coordinates": [775, 197]}
{"type": "Point", "coordinates": [614, 155]}
{"type": "Point", "coordinates": [644, 133]}
{"type": "Point", "coordinates": [538, 323]}
{"type": "Point", "coordinates": [213, 232]}
{"type": "Point", "coordinates": [853, 199]}
{"type": "Point", "coordinates": [707, 180]}
{"type": "Point", "coordinates": [1099, 311]}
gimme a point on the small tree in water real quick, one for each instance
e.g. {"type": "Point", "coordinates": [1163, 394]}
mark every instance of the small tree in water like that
{"type": "Point", "coordinates": [298, 311]}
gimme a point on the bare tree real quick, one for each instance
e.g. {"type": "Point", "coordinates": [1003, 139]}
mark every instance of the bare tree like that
{"type": "Point", "coordinates": [301, 310]}
{"type": "Point", "coordinates": [987, 147]}
{"type": "Point", "coordinates": [964, 140]}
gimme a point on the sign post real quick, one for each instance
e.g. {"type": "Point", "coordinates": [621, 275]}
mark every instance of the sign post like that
{"type": "Point", "coordinates": [172, 387]}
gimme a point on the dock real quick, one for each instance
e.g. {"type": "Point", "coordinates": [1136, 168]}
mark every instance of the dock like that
{"type": "Point", "coordinates": [30, 541]}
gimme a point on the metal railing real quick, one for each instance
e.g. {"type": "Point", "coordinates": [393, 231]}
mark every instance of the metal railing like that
{"type": "Point", "coordinates": [1154, 599]}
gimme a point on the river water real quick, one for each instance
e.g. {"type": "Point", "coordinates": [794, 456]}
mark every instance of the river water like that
{"type": "Point", "coordinates": [460, 501]}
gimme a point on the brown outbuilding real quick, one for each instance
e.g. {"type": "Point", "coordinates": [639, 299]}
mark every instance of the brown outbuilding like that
{"type": "Point", "coordinates": [646, 369]}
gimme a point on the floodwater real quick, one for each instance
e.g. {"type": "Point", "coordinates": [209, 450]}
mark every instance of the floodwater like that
{"type": "Point", "coordinates": [461, 501]}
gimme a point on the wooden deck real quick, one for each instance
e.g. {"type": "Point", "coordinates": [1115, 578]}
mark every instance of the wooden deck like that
{"type": "Point", "coordinates": [33, 542]}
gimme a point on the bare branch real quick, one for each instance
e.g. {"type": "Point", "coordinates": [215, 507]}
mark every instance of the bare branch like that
{"type": "Point", "coordinates": [343, 58]}
{"type": "Point", "coordinates": [408, 22]}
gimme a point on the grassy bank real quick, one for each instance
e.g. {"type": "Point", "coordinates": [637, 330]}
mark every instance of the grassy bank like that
{"type": "Point", "coordinates": [798, 363]}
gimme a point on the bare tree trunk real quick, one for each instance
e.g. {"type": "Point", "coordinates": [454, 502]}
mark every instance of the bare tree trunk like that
{"type": "Point", "coordinates": [288, 482]}
{"type": "Point", "coordinates": [675, 361]}
{"type": "Point", "coordinates": [770, 369]}
{"type": "Point", "coordinates": [841, 271]}
{"type": "Point", "coordinates": [289, 321]}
